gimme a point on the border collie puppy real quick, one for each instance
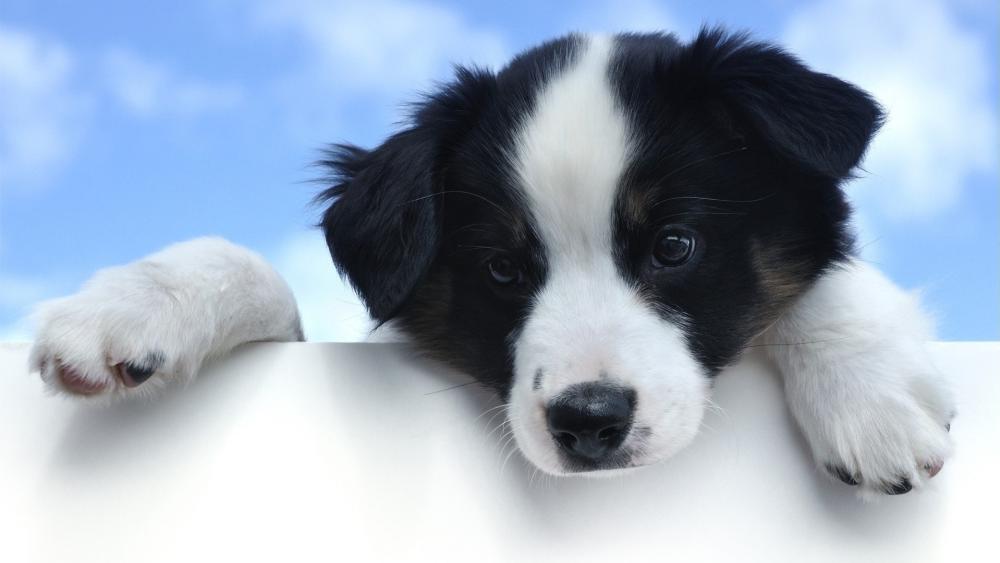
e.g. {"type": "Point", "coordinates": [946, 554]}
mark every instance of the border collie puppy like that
{"type": "Point", "coordinates": [594, 232]}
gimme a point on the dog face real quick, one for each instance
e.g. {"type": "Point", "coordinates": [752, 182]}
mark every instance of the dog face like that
{"type": "Point", "coordinates": [601, 226]}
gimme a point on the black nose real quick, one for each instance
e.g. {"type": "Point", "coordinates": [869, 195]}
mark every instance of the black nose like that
{"type": "Point", "coordinates": [590, 420]}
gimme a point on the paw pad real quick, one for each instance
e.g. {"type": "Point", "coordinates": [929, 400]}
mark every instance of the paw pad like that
{"type": "Point", "coordinates": [75, 382]}
{"type": "Point", "coordinates": [933, 469]}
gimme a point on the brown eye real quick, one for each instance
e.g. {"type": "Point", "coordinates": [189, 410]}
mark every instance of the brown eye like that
{"type": "Point", "coordinates": [504, 271]}
{"type": "Point", "coordinates": [673, 248]}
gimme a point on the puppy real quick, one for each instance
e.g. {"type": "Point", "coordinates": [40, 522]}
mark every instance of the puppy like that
{"type": "Point", "coordinates": [594, 231]}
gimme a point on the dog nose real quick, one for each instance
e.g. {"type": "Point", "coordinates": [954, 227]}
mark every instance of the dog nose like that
{"type": "Point", "coordinates": [590, 420]}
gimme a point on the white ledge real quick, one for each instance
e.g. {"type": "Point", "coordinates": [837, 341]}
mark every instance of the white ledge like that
{"type": "Point", "coordinates": [296, 452]}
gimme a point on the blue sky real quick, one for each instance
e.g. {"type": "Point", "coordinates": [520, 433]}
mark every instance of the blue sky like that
{"type": "Point", "coordinates": [126, 126]}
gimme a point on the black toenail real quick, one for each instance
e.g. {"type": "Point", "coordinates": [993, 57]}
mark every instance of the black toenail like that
{"type": "Point", "coordinates": [899, 488]}
{"type": "Point", "coordinates": [143, 369]}
{"type": "Point", "coordinates": [139, 372]}
{"type": "Point", "coordinates": [842, 474]}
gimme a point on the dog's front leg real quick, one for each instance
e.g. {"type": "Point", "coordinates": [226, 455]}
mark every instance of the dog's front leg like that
{"type": "Point", "coordinates": [860, 382]}
{"type": "Point", "coordinates": [134, 328]}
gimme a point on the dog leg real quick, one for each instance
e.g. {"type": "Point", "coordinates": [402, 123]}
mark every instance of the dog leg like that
{"type": "Point", "coordinates": [133, 329]}
{"type": "Point", "coordinates": [860, 383]}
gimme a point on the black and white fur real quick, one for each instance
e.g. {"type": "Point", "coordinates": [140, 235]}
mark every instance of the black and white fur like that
{"type": "Point", "coordinates": [565, 170]}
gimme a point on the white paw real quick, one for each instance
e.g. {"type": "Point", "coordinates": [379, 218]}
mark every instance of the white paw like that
{"type": "Point", "coordinates": [122, 330]}
{"type": "Point", "coordinates": [154, 321]}
{"type": "Point", "coordinates": [878, 421]}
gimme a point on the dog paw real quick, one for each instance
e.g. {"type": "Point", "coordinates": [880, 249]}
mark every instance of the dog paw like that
{"type": "Point", "coordinates": [884, 431]}
{"type": "Point", "coordinates": [118, 337]}
{"type": "Point", "coordinates": [861, 383]}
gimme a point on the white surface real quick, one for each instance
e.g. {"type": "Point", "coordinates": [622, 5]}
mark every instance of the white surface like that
{"type": "Point", "coordinates": [298, 452]}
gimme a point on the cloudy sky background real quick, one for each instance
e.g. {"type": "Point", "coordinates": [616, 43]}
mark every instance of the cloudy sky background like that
{"type": "Point", "coordinates": [126, 126]}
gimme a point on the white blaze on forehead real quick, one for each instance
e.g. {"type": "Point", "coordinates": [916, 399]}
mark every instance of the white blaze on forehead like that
{"type": "Point", "coordinates": [588, 323]}
{"type": "Point", "coordinates": [571, 152]}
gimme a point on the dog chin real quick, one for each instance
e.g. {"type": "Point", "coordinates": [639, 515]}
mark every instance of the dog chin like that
{"type": "Point", "coordinates": [632, 466]}
{"type": "Point", "coordinates": [605, 473]}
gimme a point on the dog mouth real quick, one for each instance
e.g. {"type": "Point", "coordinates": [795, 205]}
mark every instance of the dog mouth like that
{"type": "Point", "coordinates": [629, 455]}
{"type": "Point", "coordinates": [619, 460]}
{"type": "Point", "coordinates": [559, 453]}
{"type": "Point", "coordinates": [622, 462]}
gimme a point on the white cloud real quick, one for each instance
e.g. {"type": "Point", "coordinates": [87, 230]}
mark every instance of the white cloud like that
{"type": "Point", "coordinates": [149, 89]}
{"type": "Point", "coordinates": [330, 310]}
{"type": "Point", "coordinates": [626, 15]}
{"type": "Point", "coordinates": [19, 331]}
{"type": "Point", "coordinates": [42, 116]}
{"type": "Point", "coordinates": [18, 294]}
{"type": "Point", "coordinates": [930, 73]}
{"type": "Point", "coordinates": [47, 101]}
{"type": "Point", "coordinates": [382, 46]}
{"type": "Point", "coordinates": [869, 244]}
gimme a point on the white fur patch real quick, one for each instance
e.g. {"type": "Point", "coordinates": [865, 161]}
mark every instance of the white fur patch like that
{"type": "Point", "coordinates": [570, 154]}
{"type": "Point", "coordinates": [587, 322]}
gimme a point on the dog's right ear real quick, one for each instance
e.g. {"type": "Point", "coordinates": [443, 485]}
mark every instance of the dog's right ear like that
{"type": "Point", "coordinates": [383, 221]}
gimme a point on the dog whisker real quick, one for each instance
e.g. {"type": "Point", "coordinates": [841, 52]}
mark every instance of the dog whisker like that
{"type": "Point", "coordinates": [489, 410]}
{"type": "Point", "coordinates": [477, 247]}
{"type": "Point", "coordinates": [503, 466]}
{"type": "Point", "coordinates": [458, 386]}
{"type": "Point", "coordinates": [803, 343]}
{"type": "Point", "coordinates": [700, 161]}
{"type": "Point", "coordinates": [504, 429]}
{"type": "Point", "coordinates": [509, 442]}
{"type": "Point", "coordinates": [531, 480]}
{"type": "Point", "coordinates": [712, 199]}
{"type": "Point", "coordinates": [481, 197]}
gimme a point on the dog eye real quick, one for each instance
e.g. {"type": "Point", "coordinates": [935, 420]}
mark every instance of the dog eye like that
{"type": "Point", "coordinates": [673, 247]}
{"type": "Point", "coordinates": [504, 271]}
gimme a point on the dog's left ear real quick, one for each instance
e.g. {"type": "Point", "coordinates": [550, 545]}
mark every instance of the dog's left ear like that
{"type": "Point", "coordinates": [383, 221]}
{"type": "Point", "coordinates": [382, 227]}
{"type": "Point", "coordinates": [813, 119]}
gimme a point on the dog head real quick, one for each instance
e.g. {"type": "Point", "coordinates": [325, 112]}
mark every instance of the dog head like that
{"type": "Point", "coordinates": [598, 228]}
